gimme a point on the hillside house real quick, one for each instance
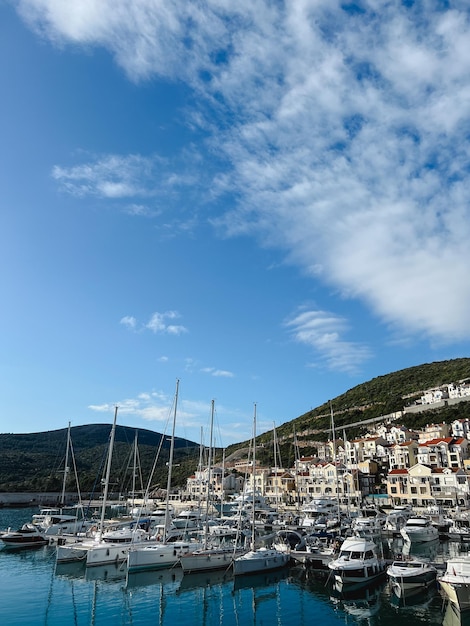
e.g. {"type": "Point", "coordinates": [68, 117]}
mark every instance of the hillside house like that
{"type": "Point", "coordinates": [433, 431]}
{"type": "Point", "coordinates": [443, 452]}
{"type": "Point", "coordinates": [403, 455]}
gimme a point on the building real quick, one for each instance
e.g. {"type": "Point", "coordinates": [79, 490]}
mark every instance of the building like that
{"type": "Point", "coordinates": [423, 486]}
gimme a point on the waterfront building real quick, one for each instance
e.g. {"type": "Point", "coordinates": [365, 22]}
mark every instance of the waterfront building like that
{"type": "Point", "coordinates": [423, 486]}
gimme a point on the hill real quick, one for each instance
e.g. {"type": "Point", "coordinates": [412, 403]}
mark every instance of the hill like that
{"type": "Point", "coordinates": [36, 461]}
{"type": "Point", "coordinates": [379, 396]}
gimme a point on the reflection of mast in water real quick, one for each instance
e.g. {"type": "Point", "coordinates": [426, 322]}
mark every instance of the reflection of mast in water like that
{"type": "Point", "coordinates": [49, 598]}
{"type": "Point", "coordinates": [93, 604]}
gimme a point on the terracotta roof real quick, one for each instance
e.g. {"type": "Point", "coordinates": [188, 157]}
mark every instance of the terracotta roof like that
{"type": "Point", "coordinates": [448, 440]}
{"type": "Point", "coordinates": [398, 471]}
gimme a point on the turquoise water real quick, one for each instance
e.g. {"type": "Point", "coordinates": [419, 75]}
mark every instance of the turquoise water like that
{"type": "Point", "coordinates": [34, 591]}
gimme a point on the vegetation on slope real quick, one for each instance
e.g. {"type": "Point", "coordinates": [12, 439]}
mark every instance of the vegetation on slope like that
{"type": "Point", "coordinates": [380, 396]}
{"type": "Point", "coordinates": [35, 462]}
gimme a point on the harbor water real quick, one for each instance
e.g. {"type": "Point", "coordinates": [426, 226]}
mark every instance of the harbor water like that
{"type": "Point", "coordinates": [34, 590]}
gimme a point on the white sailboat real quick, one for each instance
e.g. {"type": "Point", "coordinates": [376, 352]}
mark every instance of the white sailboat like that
{"type": "Point", "coordinates": [63, 520]}
{"type": "Point", "coordinates": [210, 556]}
{"type": "Point", "coordinates": [262, 559]}
{"type": "Point", "coordinates": [155, 554]}
{"type": "Point", "coordinates": [103, 547]}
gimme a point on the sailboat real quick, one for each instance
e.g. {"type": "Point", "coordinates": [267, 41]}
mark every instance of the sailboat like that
{"type": "Point", "coordinates": [103, 547]}
{"type": "Point", "coordinates": [258, 559]}
{"type": "Point", "coordinates": [63, 520]}
{"type": "Point", "coordinates": [210, 556]}
{"type": "Point", "coordinates": [154, 554]}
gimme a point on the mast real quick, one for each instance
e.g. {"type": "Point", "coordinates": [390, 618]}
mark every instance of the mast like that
{"type": "Point", "coordinates": [108, 472]}
{"type": "Point", "coordinates": [66, 467]}
{"type": "Point", "coordinates": [254, 480]}
{"type": "Point", "coordinates": [170, 465]}
{"type": "Point", "coordinates": [134, 471]}
{"type": "Point", "coordinates": [335, 460]}
{"type": "Point", "coordinates": [276, 491]}
{"type": "Point", "coordinates": [209, 476]}
{"type": "Point", "coordinates": [296, 471]}
{"type": "Point", "coordinates": [222, 491]}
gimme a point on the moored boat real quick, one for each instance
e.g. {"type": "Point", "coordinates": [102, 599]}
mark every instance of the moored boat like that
{"type": "Point", "coordinates": [210, 558]}
{"type": "Point", "coordinates": [357, 565]}
{"type": "Point", "coordinates": [455, 582]}
{"type": "Point", "coordinates": [410, 575]}
{"type": "Point", "coordinates": [419, 529]}
{"type": "Point", "coordinates": [260, 560]}
{"type": "Point", "coordinates": [28, 536]}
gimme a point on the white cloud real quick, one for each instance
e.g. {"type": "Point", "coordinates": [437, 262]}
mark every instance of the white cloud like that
{"type": "Point", "coordinates": [157, 324]}
{"type": "Point", "coordinates": [323, 332]}
{"type": "Point", "coordinates": [217, 372]}
{"type": "Point", "coordinates": [129, 321]}
{"type": "Point", "coordinates": [348, 136]}
{"type": "Point", "coordinates": [111, 176]}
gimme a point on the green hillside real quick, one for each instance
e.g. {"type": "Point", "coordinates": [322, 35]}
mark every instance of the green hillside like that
{"type": "Point", "coordinates": [35, 462]}
{"type": "Point", "coordinates": [379, 396]}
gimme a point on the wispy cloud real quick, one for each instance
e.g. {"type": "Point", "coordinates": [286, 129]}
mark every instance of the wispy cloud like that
{"type": "Point", "coordinates": [324, 332]}
{"type": "Point", "coordinates": [111, 176]}
{"type": "Point", "coordinates": [346, 133]}
{"type": "Point", "coordinates": [157, 407]}
{"type": "Point", "coordinates": [159, 323]}
{"type": "Point", "coordinates": [217, 372]}
{"type": "Point", "coordinates": [129, 321]}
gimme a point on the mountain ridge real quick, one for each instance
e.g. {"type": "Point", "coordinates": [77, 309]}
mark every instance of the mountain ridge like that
{"type": "Point", "coordinates": [39, 457]}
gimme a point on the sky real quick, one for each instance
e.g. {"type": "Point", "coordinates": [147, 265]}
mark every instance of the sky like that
{"type": "Point", "coordinates": [267, 201]}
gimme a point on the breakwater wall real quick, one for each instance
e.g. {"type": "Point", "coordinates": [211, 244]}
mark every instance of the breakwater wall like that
{"type": "Point", "coordinates": [35, 499]}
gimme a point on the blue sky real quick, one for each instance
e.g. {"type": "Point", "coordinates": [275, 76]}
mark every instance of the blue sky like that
{"type": "Point", "coordinates": [267, 201]}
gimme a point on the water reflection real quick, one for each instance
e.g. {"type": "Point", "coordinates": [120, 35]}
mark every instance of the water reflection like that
{"type": "Point", "coordinates": [362, 604]}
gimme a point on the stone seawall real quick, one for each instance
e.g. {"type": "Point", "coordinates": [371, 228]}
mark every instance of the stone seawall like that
{"type": "Point", "coordinates": [35, 499]}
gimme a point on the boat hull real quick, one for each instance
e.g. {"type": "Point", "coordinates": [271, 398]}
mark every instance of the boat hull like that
{"type": "Point", "coordinates": [458, 593]}
{"type": "Point", "coordinates": [157, 555]}
{"type": "Point", "coordinates": [257, 561]}
{"type": "Point", "coordinates": [22, 542]}
{"type": "Point", "coordinates": [208, 560]}
{"type": "Point", "coordinates": [71, 553]}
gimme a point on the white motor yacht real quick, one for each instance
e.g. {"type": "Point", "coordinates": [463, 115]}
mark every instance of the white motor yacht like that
{"type": "Point", "coordinates": [357, 565]}
{"type": "Point", "coordinates": [28, 536]}
{"type": "Point", "coordinates": [419, 529]}
{"type": "Point", "coordinates": [408, 575]}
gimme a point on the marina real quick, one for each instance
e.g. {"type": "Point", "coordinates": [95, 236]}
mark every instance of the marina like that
{"type": "Point", "coordinates": [72, 593]}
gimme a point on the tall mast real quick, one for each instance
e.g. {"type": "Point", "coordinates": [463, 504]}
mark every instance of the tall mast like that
{"type": "Point", "coordinates": [209, 476]}
{"type": "Point", "coordinates": [108, 472]}
{"type": "Point", "coordinates": [335, 460]}
{"type": "Point", "coordinates": [170, 464]}
{"type": "Point", "coordinates": [254, 480]}
{"type": "Point", "coordinates": [134, 470]}
{"type": "Point", "coordinates": [66, 467]}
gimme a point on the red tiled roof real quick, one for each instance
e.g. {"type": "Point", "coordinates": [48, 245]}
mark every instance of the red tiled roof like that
{"type": "Point", "coordinates": [435, 442]}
